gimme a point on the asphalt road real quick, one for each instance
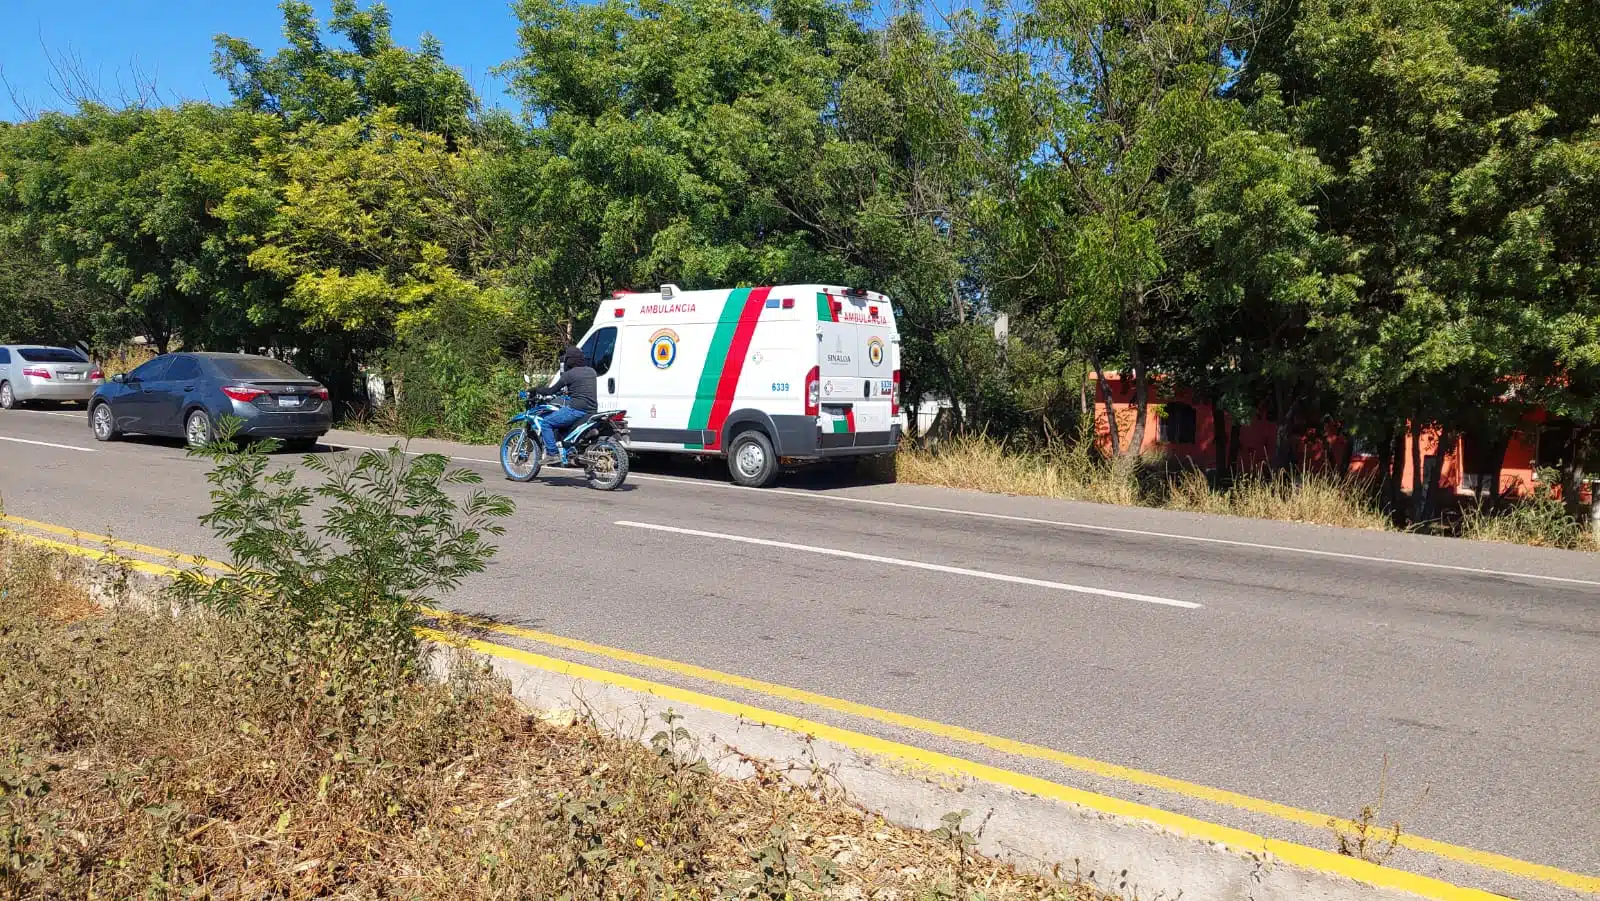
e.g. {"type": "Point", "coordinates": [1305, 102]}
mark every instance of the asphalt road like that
{"type": "Point", "coordinates": [1285, 662]}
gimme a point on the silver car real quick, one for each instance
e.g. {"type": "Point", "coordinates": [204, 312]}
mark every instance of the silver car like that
{"type": "Point", "coordinates": [31, 372]}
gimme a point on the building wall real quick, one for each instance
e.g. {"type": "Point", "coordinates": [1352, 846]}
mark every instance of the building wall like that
{"type": "Point", "coordinates": [1258, 437]}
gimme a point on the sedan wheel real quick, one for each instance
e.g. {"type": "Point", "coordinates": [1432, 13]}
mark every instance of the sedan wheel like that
{"type": "Point", "coordinates": [8, 400]}
{"type": "Point", "coordinates": [197, 431]}
{"type": "Point", "coordinates": [103, 422]}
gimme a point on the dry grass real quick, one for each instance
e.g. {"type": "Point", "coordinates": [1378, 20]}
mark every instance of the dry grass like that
{"type": "Point", "coordinates": [1540, 522]}
{"type": "Point", "coordinates": [137, 760]}
{"type": "Point", "coordinates": [1312, 497]}
{"type": "Point", "coordinates": [982, 464]}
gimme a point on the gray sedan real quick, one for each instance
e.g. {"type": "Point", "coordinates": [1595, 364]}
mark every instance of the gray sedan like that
{"type": "Point", "coordinates": [186, 395]}
{"type": "Point", "coordinates": [30, 372]}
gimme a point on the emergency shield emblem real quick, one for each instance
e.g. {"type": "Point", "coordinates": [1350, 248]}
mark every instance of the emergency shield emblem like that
{"type": "Point", "coordinates": [664, 348]}
{"type": "Point", "coordinates": [875, 351]}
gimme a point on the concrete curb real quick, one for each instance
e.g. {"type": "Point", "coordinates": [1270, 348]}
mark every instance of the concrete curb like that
{"type": "Point", "coordinates": [1125, 855]}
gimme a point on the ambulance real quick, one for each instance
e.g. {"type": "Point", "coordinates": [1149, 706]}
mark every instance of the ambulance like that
{"type": "Point", "coordinates": [760, 377]}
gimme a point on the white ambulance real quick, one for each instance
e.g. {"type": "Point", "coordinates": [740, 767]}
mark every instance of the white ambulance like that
{"type": "Point", "coordinates": [789, 373]}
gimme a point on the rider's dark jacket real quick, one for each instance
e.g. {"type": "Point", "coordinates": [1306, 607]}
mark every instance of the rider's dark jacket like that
{"type": "Point", "coordinates": [579, 385]}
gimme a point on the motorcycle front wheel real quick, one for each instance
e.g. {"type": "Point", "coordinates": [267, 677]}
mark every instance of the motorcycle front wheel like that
{"type": "Point", "coordinates": [606, 465]}
{"type": "Point", "coordinates": [520, 455]}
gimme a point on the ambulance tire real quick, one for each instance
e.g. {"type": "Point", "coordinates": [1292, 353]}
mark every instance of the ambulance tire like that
{"type": "Point", "coordinates": [751, 460]}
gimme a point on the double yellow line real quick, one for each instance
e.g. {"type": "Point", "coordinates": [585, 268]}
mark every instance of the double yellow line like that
{"type": "Point", "coordinates": [1299, 855]}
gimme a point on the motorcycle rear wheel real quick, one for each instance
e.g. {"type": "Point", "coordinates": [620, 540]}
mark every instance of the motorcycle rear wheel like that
{"type": "Point", "coordinates": [606, 465]}
{"type": "Point", "coordinates": [521, 455]}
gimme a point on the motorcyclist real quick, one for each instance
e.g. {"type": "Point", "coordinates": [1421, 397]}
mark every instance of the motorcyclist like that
{"type": "Point", "coordinates": [576, 387]}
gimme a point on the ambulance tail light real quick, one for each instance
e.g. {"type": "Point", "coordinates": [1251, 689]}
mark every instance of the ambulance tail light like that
{"type": "Point", "coordinates": [813, 391]}
{"type": "Point", "coordinates": [894, 398]}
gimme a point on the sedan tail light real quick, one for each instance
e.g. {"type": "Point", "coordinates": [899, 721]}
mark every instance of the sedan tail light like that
{"type": "Point", "coordinates": [244, 395]}
{"type": "Point", "coordinates": [95, 375]}
{"type": "Point", "coordinates": [320, 393]}
{"type": "Point", "coordinates": [37, 372]}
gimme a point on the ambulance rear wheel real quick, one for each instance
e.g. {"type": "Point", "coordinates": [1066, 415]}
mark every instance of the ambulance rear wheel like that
{"type": "Point", "coordinates": [751, 460]}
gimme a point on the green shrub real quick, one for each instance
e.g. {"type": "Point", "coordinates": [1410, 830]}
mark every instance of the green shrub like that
{"type": "Point", "coordinates": [336, 607]}
{"type": "Point", "coordinates": [456, 373]}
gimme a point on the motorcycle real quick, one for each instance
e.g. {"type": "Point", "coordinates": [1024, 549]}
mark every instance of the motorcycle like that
{"type": "Point", "coordinates": [595, 443]}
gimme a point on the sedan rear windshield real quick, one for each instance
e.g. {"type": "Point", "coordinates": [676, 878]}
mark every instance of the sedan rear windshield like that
{"type": "Point", "coordinates": [256, 368]}
{"type": "Point", "coordinates": [50, 355]}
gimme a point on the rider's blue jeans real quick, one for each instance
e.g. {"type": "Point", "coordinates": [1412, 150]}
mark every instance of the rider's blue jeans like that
{"type": "Point", "coordinates": [555, 422]}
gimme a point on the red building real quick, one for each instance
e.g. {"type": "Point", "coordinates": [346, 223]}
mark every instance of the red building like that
{"type": "Point", "coordinates": [1180, 427]}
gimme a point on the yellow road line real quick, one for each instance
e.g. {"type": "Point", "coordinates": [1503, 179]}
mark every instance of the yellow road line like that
{"type": "Point", "coordinates": [1289, 852]}
{"type": "Point", "coordinates": [155, 569]}
{"type": "Point", "coordinates": [108, 541]}
{"type": "Point", "coordinates": [1471, 856]}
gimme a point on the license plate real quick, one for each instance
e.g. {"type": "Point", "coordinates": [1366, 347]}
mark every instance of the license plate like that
{"type": "Point", "coordinates": [288, 401]}
{"type": "Point", "coordinates": [71, 376]}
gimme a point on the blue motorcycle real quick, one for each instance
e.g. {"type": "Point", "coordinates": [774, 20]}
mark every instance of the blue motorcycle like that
{"type": "Point", "coordinates": [595, 443]}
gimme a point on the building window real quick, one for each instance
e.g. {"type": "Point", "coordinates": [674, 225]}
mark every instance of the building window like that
{"type": "Point", "coordinates": [1178, 424]}
{"type": "Point", "coordinates": [1554, 442]}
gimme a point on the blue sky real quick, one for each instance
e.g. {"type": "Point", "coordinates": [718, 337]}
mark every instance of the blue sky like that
{"type": "Point", "coordinates": [170, 41]}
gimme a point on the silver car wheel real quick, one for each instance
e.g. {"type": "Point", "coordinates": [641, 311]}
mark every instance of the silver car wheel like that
{"type": "Point", "coordinates": [103, 423]}
{"type": "Point", "coordinates": [198, 431]}
{"type": "Point", "coordinates": [7, 398]}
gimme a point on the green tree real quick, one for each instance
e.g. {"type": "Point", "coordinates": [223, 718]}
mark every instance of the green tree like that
{"type": "Point", "coordinates": [373, 223]}
{"type": "Point", "coordinates": [661, 134]}
{"type": "Point", "coordinates": [1537, 197]}
{"type": "Point", "coordinates": [124, 201]}
{"type": "Point", "coordinates": [1395, 96]}
{"type": "Point", "coordinates": [311, 81]}
{"type": "Point", "coordinates": [1263, 282]}
{"type": "Point", "coordinates": [1103, 112]}
{"type": "Point", "coordinates": [887, 198]}
{"type": "Point", "coordinates": [39, 302]}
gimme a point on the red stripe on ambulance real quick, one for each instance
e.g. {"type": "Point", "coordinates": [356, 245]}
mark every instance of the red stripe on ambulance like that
{"type": "Point", "coordinates": [733, 365]}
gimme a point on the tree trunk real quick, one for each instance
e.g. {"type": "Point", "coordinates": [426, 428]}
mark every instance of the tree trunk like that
{"type": "Point", "coordinates": [1219, 448]}
{"type": "Point", "coordinates": [1233, 451]}
{"type": "Point", "coordinates": [1397, 473]}
{"type": "Point", "coordinates": [1419, 494]}
{"type": "Point", "coordinates": [1446, 443]}
{"type": "Point", "coordinates": [1111, 410]}
{"type": "Point", "coordinates": [1386, 452]}
{"type": "Point", "coordinates": [1083, 389]}
{"type": "Point", "coordinates": [1287, 410]}
{"type": "Point", "coordinates": [1572, 475]}
{"type": "Point", "coordinates": [1141, 402]}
